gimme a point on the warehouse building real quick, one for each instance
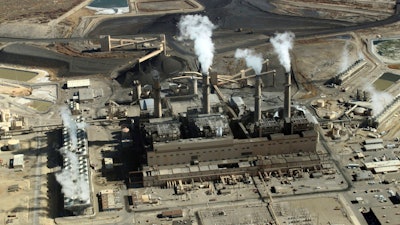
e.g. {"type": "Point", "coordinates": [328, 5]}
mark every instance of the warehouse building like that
{"type": "Point", "coordinates": [81, 83]}
{"type": "Point", "coordinates": [389, 214]}
{"type": "Point", "coordinates": [383, 166]}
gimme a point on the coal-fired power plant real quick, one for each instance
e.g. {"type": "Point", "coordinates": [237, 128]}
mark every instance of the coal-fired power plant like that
{"type": "Point", "coordinates": [202, 138]}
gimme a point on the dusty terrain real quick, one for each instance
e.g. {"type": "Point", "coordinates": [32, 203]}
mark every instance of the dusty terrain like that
{"type": "Point", "coordinates": [351, 11]}
{"type": "Point", "coordinates": [40, 11]}
{"type": "Point", "coordinates": [315, 58]}
{"type": "Point", "coordinates": [50, 19]}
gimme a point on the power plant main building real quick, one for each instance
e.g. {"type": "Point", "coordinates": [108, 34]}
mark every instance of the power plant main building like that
{"type": "Point", "coordinates": [205, 143]}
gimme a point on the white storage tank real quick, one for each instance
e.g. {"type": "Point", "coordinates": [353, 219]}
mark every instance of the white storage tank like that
{"type": "Point", "coordinates": [13, 144]}
{"type": "Point", "coordinates": [360, 111]}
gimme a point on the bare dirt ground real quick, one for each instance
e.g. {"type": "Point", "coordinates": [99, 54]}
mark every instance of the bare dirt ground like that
{"type": "Point", "coordinates": [351, 11]}
{"type": "Point", "coordinates": [41, 11]}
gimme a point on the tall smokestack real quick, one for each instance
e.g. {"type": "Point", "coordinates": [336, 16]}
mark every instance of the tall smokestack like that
{"type": "Point", "coordinates": [157, 95]}
{"type": "Point", "coordinates": [288, 101]}
{"type": "Point", "coordinates": [194, 85]}
{"type": "Point", "coordinates": [206, 93]}
{"type": "Point", "coordinates": [257, 98]}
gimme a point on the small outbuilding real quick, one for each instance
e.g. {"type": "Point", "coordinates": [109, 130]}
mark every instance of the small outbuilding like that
{"type": "Point", "coordinates": [364, 175]}
{"type": "Point", "coordinates": [18, 161]}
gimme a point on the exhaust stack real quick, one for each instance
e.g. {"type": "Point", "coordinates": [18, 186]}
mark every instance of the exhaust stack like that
{"type": "Point", "coordinates": [194, 85]}
{"type": "Point", "coordinates": [257, 103]}
{"type": "Point", "coordinates": [206, 93]}
{"type": "Point", "coordinates": [287, 101]}
{"type": "Point", "coordinates": [157, 96]}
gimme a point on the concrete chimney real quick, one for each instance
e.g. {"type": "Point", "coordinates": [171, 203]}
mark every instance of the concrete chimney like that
{"type": "Point", "coordinates": [157, 96]}
{"type": "Point", "coordinates": [243, 77]}
{"type": "Point", "coordinates": [138, 87]}
{"type": "Point", "coordinates": [194, 85]}
{"type": "Point", "coordinates": [206, 93]}
{"type": "Point", "coordinates": [287, 101]}
{"type": "Point", "coordinates": [257, 98]}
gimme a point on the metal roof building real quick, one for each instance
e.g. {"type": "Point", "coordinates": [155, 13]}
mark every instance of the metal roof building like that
{"type": "Point", "coordinates": [386, 169]}
{"type": "Point", "coordinates": [78, 83]}
{"type": "Point", "coordinates": [388, 214]}
{"type": "Point", "coordinates": [86, 94]}
{"type": "Point", "coordinates": [373, 141]}
{"type": "Point", "coordinates": [389, 163]}
{"type": "Point", "coordinates": [373, 147]}
{"type": "Point", "coordinates": [19, 161]}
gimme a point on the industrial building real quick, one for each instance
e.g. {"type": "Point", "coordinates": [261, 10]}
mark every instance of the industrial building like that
{"type": "Point", "coordinates": [386, 113]}
{"type": "Point", "coordinates": [386, 214]}
{"type": "Point", "coordinates": [205, 143]}
{"type": "Point", "coordinates": [18, 161]}
{"type": "Point", "coordinates": [11, 121]}
{"type": "Point", "coordinates": [81, 83]}
{"type": "Point", "coordinates": [383, 166]}
{"type": "Point", "coordinates": [108, 201]}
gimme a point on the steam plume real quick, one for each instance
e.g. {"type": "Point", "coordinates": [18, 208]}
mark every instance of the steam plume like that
{"type": "Point", "coordinates": [344, 65]}
{"type": "Point", "coordinates": [199, 29]}
{"type": "Point", "coordinates": [283, 43]}
{"type": "Point", "coordinates": [379, 99]}
{"type": "Point", "coordinates": [253, 60]}
{"type": "Point", "coordinates": [73, 185]}
{"type": "Point", "coordinates": [73, 180]}
{"type": "Point", "coordinates": [70, 124]}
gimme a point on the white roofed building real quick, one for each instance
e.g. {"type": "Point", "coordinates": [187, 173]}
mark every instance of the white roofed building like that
{"type": "Point", "coordinates": [78, 83]}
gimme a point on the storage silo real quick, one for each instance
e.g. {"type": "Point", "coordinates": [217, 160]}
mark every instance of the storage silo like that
{"type": "Point", "coordinates": [13, 144]}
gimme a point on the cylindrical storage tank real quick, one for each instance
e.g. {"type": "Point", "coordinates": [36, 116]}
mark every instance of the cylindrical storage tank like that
{"type": "Point", "coordinates": [320, 103]}
{"type": "Point", "coordinates": [13, 144]}
{"type": "Point", "coordinates": [359, 111]}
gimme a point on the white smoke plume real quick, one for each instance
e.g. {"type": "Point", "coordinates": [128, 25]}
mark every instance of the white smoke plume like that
{"type": "Point", "coordinates": [379, 99]}
{"type": "Point", "coordinates": [283, 43]}
{"type": "Point", "coordinates": [73, 180]}
{"type": "Point", "coordinates": [199, 29]}
{"type": "Point", "coordinates": [70, 124]}
{"type": "Point", "coordinates": [345, 63]}
{"type": "Point", "coordinates": [73, 185]}
{"type": "Point", "coordinates": [253, 59]}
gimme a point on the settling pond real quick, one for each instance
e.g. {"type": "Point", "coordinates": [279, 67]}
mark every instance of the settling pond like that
{"type": "Point", "coordinates": [385, 81]}
{"type": "Point", "coordinates": [15, 74]}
